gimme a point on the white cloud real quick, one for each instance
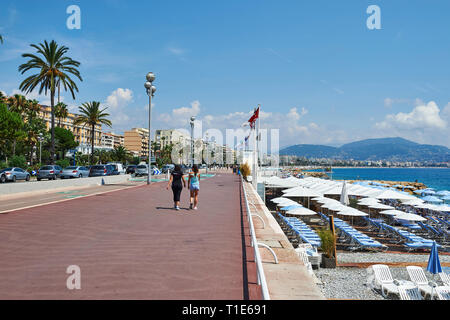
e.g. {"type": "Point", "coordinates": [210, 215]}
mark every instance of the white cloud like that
{"type": "Point", "coordinates": [119, 98]}
{"type": "Point", "coordinates": [421, 117]}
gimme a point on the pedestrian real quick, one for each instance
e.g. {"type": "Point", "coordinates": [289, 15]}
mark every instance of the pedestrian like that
{"type": "Point", "coordinates": [194, 186]}
{"type": "Point", "coordinates": [175, 179]}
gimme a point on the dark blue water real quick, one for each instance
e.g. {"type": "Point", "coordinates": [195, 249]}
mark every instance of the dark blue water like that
{"type": "Point", "coordinates": [437, 178]}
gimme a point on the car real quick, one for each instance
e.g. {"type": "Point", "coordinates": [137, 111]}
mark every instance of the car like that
{"type": "Point", "coordinates": [13, 174]}
{"type": "Point", "coordinates": [102, 170]}
{"type": "Point", "coordinates": [141, 170]}
{"type": "Point", "coordinates": [118, 167]}
{"type": "Point", "coordinates": [167, 168]}
{"type": "Point", "coordinates": [50, 172]}
{"type": "Point", "coordinates": [74, 172]}
{"type": "Point", "coordinates": [130, 169]}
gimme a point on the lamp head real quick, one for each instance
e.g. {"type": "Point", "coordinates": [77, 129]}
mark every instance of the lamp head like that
{"type": "Point", "coordinates": [148, 85]}
{"type": "Point", "coordinates": [150, 77]}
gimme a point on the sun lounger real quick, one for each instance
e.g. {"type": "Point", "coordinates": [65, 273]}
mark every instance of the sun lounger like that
{"type": "Point", "coordinates": [445, 278]}
{"type": "Point", "coordinates": [357, 238]}
{"type": "Point", "coordinates": [417, 275]}
{"type": "Point", "coordinates": [443, 293]}
{"type": "Point", "coordinates": [409, 293]}
{"type": "Point", "coordinates": [380, 277]}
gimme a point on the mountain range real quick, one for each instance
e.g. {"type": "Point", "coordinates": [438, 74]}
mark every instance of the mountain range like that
{"type": "Point", "coordinates": [388, 149]}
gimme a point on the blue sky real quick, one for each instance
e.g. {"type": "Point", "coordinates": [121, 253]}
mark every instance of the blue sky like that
{"type": "Point", "coordinates": [320, 75]}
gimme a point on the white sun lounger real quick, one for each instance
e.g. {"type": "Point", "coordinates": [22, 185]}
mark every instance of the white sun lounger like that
{"type": "Point", "coordinates": [406, 293]}
{"type": "Point", "coordinates": [418, 277]}
{"type": "Point", "coordinates": [443, 293]}
{"type": "Point", "coordinates": [445, 278]}
{"type": "Point", "coordinates": [380, 277]}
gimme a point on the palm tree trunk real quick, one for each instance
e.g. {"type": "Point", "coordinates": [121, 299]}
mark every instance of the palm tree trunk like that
{"type": "Point", "coordinates": [52, 146]}
{"type": "Point", "coordinates": [92, 142]}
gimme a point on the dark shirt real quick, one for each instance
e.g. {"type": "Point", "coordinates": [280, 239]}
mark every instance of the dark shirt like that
{"type": "Point", "coordinates": [176, 178]}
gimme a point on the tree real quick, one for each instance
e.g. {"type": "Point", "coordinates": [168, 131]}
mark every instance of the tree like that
{"type": "Point", "coordinates": [18, 103]}
{"type": "Point", "coordinates": [61, 112]}
{"type": "Point", "coordinates": [53, 68]}
{"type": "Point", "coordinates": [91, 115]}
{"type": "Point", "coordinates": [1, 39]}
{"type": "Point", "coordinates": [64, 140]}
{"type": "Point", "coordinates": [11, 128]}
{"type": "Point", "coordinates": [120, 154]}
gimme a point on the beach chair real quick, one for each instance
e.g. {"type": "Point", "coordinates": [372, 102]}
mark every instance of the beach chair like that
{"type": "Point", "coordinates": [445, 278]}
{"type": "Point", "coordinates": [406, 293]}
{"type": "Point", "coordinates": [443, 293]}
{"type": "Point", "coordinates": [382, 280]}
{"type": "Point", "coordinates": [417, 275]}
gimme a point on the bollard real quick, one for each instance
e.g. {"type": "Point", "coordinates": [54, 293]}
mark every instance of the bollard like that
{"type": "Point", "coordinates": [103, 182]}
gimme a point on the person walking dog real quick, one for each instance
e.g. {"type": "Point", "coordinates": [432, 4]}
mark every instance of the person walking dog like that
{"type": "Point", "coordinates": [176, 179]}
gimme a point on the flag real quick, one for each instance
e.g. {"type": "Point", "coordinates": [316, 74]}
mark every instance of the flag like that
{"type": "Point", "coordinates": [253, 118]}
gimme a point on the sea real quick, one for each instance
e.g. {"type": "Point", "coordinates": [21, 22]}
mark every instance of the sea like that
{"type": "Point", "coordinates": [436, 178]}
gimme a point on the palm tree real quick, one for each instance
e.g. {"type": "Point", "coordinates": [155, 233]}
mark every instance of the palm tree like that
{"type": "Point", "coordinates": [61, 112]}
{"type": "Point", "coordinates": [121, 154]}
{"type": "Point", "coordinates": [54, 67]}
{"type": "Point", "coordinates": [91, 115]}
{"type": "Point", "coordinates": [18, 103]}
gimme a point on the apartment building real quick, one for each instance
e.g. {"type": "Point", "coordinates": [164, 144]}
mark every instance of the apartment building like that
{"type": "Point", "coordinates": [110, 140]}
{"type": "Point", "coordinates": [82, 134]}
{"type": "Point", "coordinates": [136, 141]}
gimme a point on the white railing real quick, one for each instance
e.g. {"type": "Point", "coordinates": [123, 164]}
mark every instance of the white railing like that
{"type": "Point", "coordinates": [259, 267]}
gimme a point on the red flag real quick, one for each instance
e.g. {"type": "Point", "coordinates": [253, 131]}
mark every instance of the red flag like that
{"type": "Point", "coordinates": [253, 118]}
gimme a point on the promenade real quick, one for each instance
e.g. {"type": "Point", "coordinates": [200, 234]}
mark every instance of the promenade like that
{"type": "Point", "coordinates": [129, 244]}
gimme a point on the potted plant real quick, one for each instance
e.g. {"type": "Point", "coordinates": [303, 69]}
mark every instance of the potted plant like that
{"type": "Point", "coordinates": [328, 242]}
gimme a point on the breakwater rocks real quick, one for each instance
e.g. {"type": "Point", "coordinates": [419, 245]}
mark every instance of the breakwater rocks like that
{"type": "Point", "coordinates": [407, 186]}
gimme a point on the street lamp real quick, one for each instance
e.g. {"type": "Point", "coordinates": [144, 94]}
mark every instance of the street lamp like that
{"type": "Point", "coordinates": [150, 92]}
{"type": "Point", "coordinates": [40, 138]}
{"type": "Point", "coordinates": [207, 153]}
{"type": "Point", "coordinates": [192, 139]}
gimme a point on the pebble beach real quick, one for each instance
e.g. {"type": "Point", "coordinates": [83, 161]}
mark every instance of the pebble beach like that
{"type": "Point", "coordinates": [350, 282]}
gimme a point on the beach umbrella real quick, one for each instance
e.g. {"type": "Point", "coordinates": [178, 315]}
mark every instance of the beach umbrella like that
{"type": "Point", "coordinates": [412, 202]}
{"type": "Point", "coordinates": [443, 193]}
{"type": "Point", "coordinates": [279, 199]}
{"type": "Point", "coordinates": [286, 203]}
{"type": "Point", "coordinates": [349, 211]}
{"type": "Point", "coordinates": [446, 199]}
{"type": "Point", "coordinates": [392, 212]}
{"type": "Point", "coordinates": [301, 212]}
{"type": "Point", "coordinates": [333, 206]}
{"type": "Point", "coordinates": [368, 201]}
{"type": "Point", "coordinates": [390, 194]}
{"type": "Point", "coordinates": [292, 206]}
{"type": "Point", "coordinates": [442, 208]}
{"type": "Point", "coordinates": [409, 217]}
{"type": "Point", "coordinates": [432, 199]}
{"type": "Point", "coordinates": [300, 192]}
{"type": "Point", "coordinates": [429, 192]}
{"type": "Point", "coordinates": [420, 191]}
{"type": "Point", "coordinates": [434, 265]}
{"type": "Point", "coordinates": [380, 206]}
{"type": "Point", "coordinates": [344, 195]}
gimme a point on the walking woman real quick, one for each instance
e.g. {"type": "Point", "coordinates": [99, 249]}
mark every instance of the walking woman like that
{"type": "Point", "coordinates": [194, 186]}
{"type": "Point", "coordinates": [175, 179]}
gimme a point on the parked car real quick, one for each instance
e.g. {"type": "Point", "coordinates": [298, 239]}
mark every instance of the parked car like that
{"type": "Point", "coordinates": [167, 168]}
{"type": "Point", "coordinates": [130, 169]}
{"type": "Point", "coordinates": [141, 170]}
{"type": "Point", "coordinates": [50, 172]}
{"type": "Point", "coordinates": [75, 172]}
{"type": "Point", "coordinates": [13, 174]}
{"type": "Point", "coordinates": [118, 167]}
{"type": "Point", "coordinates": [102, 170]}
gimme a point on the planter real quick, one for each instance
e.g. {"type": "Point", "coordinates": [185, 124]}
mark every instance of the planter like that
{"type": "Point", "coordinates": [328, 262]}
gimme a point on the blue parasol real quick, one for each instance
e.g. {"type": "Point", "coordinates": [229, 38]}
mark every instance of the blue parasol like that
{"type": "Point", "coordinates": [434, 265]}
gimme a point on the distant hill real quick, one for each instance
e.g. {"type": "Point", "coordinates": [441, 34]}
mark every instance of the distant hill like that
{"type": "Point", "coordinates": [389, 149]}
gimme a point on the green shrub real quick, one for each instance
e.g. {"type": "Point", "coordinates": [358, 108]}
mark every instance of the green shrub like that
{"type": "Point", "coordinates": [328, 242]}
{"type": "Point", "coordinates": [63, 163]}
{"type": "Point", "coordinates": [18, 161]}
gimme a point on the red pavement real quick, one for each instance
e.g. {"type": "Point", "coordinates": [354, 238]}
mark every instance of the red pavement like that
{"type": "Point", "coordinates": [129, 244]}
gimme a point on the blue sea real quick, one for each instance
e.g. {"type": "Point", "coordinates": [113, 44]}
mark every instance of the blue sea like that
{"type": "Point", "coordinates": [437, 178]}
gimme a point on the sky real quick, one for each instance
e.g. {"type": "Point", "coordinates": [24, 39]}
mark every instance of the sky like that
{"type": "Point", "coordinates": [319, 73]}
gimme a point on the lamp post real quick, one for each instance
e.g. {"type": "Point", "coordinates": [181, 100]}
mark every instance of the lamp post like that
{"type": "Point", "coordinates": [207, 153]}
{"type": "Point", "coordinates": [150, 92]}
{"type": "Point", "coordinates": [192, 139]}
{"type": "Point", "coordinates": [40, 138]}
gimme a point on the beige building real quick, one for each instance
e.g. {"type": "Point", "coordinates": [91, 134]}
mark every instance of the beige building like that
{"type": "Point", "coordinates": [171, 136]}
{"type": "Point", "coordinates": [110, 140]}
{"type": "Point", "coordinates": [82, 134]}
{"type": "Point", "coordinates": [136, 141]}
